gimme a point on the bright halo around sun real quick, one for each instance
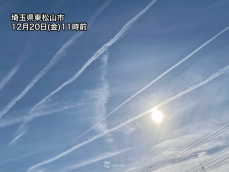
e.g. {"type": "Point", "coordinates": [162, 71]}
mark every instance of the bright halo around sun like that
{"type": "Point", "coordinates": [157, 116]}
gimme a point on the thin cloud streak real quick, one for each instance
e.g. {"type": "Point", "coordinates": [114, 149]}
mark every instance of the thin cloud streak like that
{"type": "Point", "coordinates": [93, 160]}
{"type": "Point", "coordinates": [56, 58]}
{"type": "Point", "coordinates": [16, 138]}
{"type": "Point", "coordinates": [26, 52]}
{"type": "Point", "coordinates": [213, 76]}
{"type": "Point", "coordinates": [155, 80]}
{"type": "Point", "coordinates": [24, 126]}
{"type": "Point", "coordinates": [119, 35]}
{"type": "Point", "coordinates": [28, 154]}
{"type": "Point", "coordinates": [101, 94]}
{"type": "Point", "coordinates": [93, 17]}
{"type": "Point", "coordinates": [8, 122]}
{"type": "Point", "coordinates": [8, 77]}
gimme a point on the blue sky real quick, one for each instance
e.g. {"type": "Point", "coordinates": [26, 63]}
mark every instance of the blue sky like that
{"type": "Point", "coordinates": [130, 44]}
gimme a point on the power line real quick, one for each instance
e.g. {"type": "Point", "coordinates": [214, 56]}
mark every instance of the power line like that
{"type": "Point", "coordinates": [212, 167]}
{"type": "Point", "coordinates": [212, 161]}
{"type": "Point", "coordinates": [187, 148]}
{"type": "Point", "coordinates": [205, 163]}
{"type": "Point", "coordinates": [183, 166]}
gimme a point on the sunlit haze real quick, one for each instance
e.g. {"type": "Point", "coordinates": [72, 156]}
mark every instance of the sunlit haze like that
{"type": "Point", "coordinates": [157, 116]}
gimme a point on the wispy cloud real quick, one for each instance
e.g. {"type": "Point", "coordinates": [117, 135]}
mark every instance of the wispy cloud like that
{"type": "Point", "coordinates": [155, 80]}
{"type": "Point", "coordinates": [118, 36]}
{"type": "Point", "coordinates": [31, 153]}
{"type": "Point", "coordinates": [93, 17]}
{"type": "Point", "coordinates": [93, 160]}
{"type": "Point", "coordinates": [42, 170]}
{"type": "Point", "coordinates": [24, 127]}
{"type": "Point", "coordinates": [179, 139]}
{"type": "Point", "coordinates": [9, 76]}
{"type": "Point", "coordinates": [57, 57]}
{"type": "Point", "coordinates": [213, 76]}
{"type": "Point", "coordinates": [16, 138]}
{"type": "Point", "coordinates": [101, 95]}
{"type": "Point", "coordinates": [26, 52]}
{"type": "Point", "coordinates": [43, 110]}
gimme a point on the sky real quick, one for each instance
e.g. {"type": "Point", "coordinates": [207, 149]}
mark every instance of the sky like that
{"type": "Point", "coordinates": [82, 100]}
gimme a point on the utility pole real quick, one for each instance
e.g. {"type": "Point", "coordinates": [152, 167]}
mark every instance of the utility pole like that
{"type": "Point", "coordinates": [202, 167]}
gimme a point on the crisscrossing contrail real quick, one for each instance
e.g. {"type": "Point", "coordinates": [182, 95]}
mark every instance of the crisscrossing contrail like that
{"type": "Point", "coordinates": [155, 80]}
{"type": "Point", "coordinates": [213, 76]}
{"type": "Point", "coordinates": [56, 58]}
{"type": "Point", "coordinates": [97, 54]}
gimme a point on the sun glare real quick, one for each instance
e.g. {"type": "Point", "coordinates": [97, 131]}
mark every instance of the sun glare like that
{"type": "Point", "coordinates": [157, 116]}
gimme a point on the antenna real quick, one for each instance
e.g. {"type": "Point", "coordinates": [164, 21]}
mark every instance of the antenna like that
{"type": "Point", "coordinates": [202, 167]}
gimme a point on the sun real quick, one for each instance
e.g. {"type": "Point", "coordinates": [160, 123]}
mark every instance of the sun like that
{"type": "Point", "coordinates": [157, 116]}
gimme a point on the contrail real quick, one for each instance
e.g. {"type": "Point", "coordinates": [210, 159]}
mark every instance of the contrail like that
{"type": "Point", "coordinates": [101, 95]}
{"type": "Point", "coordinates": [9, 76]}
{"type": "Point", "coordinates": [26, 52]}
{"type": "Point", "coordinates": [93, 160]}
{"type": "Point", "coordinates": [93, 17]}
{"type": "Point", "coordinates": [23, 127]}
{"type": "Point", "coordinates": [98, 53]}
{"type": "Point", "coordinates": [213, 76]}
{"type": "Point", "coordinates": [16, 138]}
{"type": "Point", "coordinates": [12, 121]}
{"type": "Point", "coordinates": [155, 80]}
{"type": "Point", "coordinates": [95, 56]}
{"type": "Point", "coordinates": [57, 57]}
